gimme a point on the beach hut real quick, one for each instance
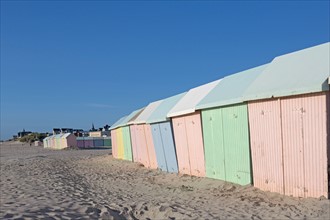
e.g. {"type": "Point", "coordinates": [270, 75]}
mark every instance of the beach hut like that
{"type": "Point", "coordinates": [93, 142]}
{"type": "Point", "coordinates": [107, 142]}
{"type": "Point", "coordinates": [117, 146]}
{"type": "Point", "coordinates": [162, 135]}
{"type": "Point", "coordinates": [80, 142]}
{"type": "Point", "coordinates": [60, 141]}
{"type": "Point", "coordinates": [133, 133]}
{"type": "Point", "coordinates": [68, 140]}
{"type": "Point", "coordinates": [98, 142]}
{"type": "Point", "coordinates": [50, 141]}
{"type": "Point", "coordinates": [121, 130]}
{"type": "Point", "coordinates": [46, 142]}
{"type": "Point", "coordinates": [138, 153]}
{"type": "Point", "coordinates": [226, 129]}
{"type": "Point", "coordinates": [289, 123]}
{"type": "Point", "coordinates": [85, 142]}
{"type": "Point", "coordinates": [127, 143]}
{"type": "Point", "coordinates": [37, 143]}
{"type": "Point", "coordinates": [133, 129]}
{"type": "Point", "coordinates": [54, 142]}
{"type": "Point", "coordinates": [187, 130]}
{"type": "Point", "coordinates": [125, 136]}
{"type": "Point", "coordinates": [120, 143]}
{"type": "Point", "coordinates": [113, 143]}
{"type": "Point", "coordinates": [88, 142]}
{"type": "Point", "coordinates": [142, 136]}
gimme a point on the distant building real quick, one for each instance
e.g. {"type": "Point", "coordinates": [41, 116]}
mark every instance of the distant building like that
{"type": "Point", "coordinates": [101, 132]}
{"type": "Point", "coordinates": [106, 133]}
{"type": "Point", "coordinates": [95, 133]}
{"type": "Point", "coordinates": [23, 133]}
{"type": "Point", "coordinates": [62, 130]}
{"type": "Point", "coordinates": [66, 130]}
{"type": "Point", "coordinates": [56, 131]}
{"type": "Point", "coordinates": [79, 132]}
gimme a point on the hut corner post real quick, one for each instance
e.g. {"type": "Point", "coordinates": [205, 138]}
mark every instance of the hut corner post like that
{"type": "Point", "coordinates": [328, 134]}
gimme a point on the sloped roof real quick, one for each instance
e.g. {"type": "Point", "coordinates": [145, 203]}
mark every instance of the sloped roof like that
{"type": "Point", "coordinates": [300, 72]}
{"type": "Point", "coordinates": [65, 135]}
{"type": "Point", "coordinates": [160, 113]}
{"type": "Point", "coordinates": [145, 114]}
{"type": "Point", "coordinates": [131, 121]}
{"type": "Point", "coordinates": [57, 136]}
{"type": "Point", "coordinates": [188, 102]}
{"type": "Point", "coordinates": [115, 125]}
{"type": "Point", "coordinates": [129, 117]}
{"type": "Point", "coordinates": [231, 88]}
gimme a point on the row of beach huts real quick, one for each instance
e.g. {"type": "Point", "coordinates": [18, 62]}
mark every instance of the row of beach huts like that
{"type": "Point", "coordinates": [69, 140]}
{"type": "Point", "coordinates": [268, 126]}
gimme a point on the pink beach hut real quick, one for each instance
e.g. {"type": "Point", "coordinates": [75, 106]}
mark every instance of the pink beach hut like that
{"type": "Point", "coordinates": [52, 142]}
{"type": "Point", "coordinates": [187, 131]}
{"type": "Point", "coordinates": [125, 136]}
{"type": "Point", "coordinates": [68, 140]}
{"type": "Point", "coordinates": [114, 143]}
{"type": "Point", "coordinates": [289, 119]}
{"type": "Point", "coordinates": [134, 140]}
{"type": "Point", "coordinates": [141, 134]}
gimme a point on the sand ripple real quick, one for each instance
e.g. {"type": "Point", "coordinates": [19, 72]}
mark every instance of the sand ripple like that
{"type": "Point", "coordinates": [79, 184]}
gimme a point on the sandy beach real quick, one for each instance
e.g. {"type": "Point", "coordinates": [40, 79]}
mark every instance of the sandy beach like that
{"type": "Point", "coordinates": [90, 184]}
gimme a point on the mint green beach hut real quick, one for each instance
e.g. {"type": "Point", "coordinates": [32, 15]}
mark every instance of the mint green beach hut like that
{"type": "Point", "coordinates": [226, 129]}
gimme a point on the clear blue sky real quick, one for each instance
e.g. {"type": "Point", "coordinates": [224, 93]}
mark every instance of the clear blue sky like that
{"type": "Point", "coordinates": [68, 64]}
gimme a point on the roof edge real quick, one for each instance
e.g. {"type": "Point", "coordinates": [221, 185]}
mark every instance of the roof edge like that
{"type": "Point", "coordinates": [300, 91]}
{"type": "Point", "coordinates": [220, 104]}
{"type": "Point", "coordinates": [180, 113]}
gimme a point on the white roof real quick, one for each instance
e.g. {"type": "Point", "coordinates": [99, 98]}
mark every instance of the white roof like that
{"type": "Point", "coordinates": [188, 103]}
{"type": "Point", "coordinates": [300, 72]}
{"type": "Point", "coordinates": [115, 125]}
{"type": "Point", "coordinates": [231, 89]}
{"type": "Point", "coordinates": [131, 121]}
{"type": "Point", "coordinates": [129, 117]}
{"type": "Point", "coordinates": [66, 135]}
{"type": "Point", "coordinates": [159, 115]}
{"type": "Point", "coordinates": [145, 114]}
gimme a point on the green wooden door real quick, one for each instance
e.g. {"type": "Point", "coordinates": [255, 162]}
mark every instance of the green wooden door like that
{"type": "Point", "coordinates": [226, 144]}
{"type": "Point", "coordinates": [237, 146]}
{"type": "Point", "coordinates": [213, 144]}
{"type": "Point", "coordinates": [127, 143]}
